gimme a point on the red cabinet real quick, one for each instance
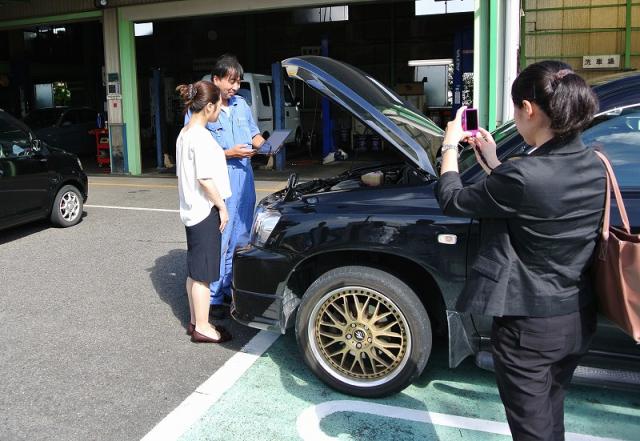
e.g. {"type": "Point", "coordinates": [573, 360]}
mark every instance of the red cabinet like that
{"type": "Point", "coordinates": [103, 156]}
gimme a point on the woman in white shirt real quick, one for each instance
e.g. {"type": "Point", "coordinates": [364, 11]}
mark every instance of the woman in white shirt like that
{"type": "Point", "coordinates": [203, 185]}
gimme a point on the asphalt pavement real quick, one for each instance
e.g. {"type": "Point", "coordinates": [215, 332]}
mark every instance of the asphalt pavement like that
{"type": "Point", "coordinates": [93, 318]}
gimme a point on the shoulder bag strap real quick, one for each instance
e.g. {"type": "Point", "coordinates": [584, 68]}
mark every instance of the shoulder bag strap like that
{"type": "Point", "coordinates": [612, 183]}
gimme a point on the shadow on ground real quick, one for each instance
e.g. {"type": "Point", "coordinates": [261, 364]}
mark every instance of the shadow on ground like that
{"type": "Point", "coordinates": [168, 276]}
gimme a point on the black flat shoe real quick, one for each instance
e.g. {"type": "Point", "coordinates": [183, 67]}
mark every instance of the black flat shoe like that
{"type": "Point", "coordinates": [221, 329]}
{"type": "Point", "coordinates": [196, 337]}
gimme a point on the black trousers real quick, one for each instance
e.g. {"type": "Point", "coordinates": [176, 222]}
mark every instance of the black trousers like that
{"type": "Point", "coordinates": [534, 360]}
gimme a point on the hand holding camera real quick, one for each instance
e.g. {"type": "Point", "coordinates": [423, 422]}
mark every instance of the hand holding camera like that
{"type": "Point", "coordinates": [484, 147]}
{"type": "Point", "coordinates": [465, 127]}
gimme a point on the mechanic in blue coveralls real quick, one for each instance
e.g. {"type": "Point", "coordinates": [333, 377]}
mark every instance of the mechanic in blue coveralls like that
{"type": "Point", "coordinates": [238, 134]}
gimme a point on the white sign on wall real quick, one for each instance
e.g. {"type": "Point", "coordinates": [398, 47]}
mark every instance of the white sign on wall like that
{"type": "Point", "coordinates": [601, 61]}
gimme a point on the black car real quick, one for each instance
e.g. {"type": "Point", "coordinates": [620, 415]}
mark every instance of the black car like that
{"type": "Point", "coordinates": [367, 267]}
{"type": "Point", "coordinates": [37, 181]}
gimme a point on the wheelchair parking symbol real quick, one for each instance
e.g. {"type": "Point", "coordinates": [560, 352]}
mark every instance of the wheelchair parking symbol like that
{"type": "Point", "coordinates": [308, 422]}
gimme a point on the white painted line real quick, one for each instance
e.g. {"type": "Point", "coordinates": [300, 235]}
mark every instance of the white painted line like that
{"type": "Point", "coordinates": [113, 184]}
{"type": "Point", "coordinates": [133, 208]}
{"type": "Point", "coordinates": [196, 404]}
{"type": "Point", "coordinates": [308, 423]}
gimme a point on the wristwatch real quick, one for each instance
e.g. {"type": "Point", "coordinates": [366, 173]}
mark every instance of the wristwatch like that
{"type": "Point", "coordinates": [446, 147]}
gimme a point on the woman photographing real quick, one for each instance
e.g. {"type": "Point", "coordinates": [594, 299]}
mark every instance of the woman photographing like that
{"type": "Point", "coordinates": [540, 214]}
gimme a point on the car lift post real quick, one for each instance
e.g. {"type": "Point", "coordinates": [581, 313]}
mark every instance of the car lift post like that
{"type": "Point", "coordinates": [278, 110]}
{"type": "Point", "coordinates": [158, 112]}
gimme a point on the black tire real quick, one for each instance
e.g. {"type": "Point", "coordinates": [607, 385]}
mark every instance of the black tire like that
{"type": "Point", "coordinates": [388, 363]}
{"type": "Point", "coordinates": [67, 207]}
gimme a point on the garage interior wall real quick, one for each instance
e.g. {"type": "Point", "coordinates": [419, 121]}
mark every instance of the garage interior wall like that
{"type": "Point", "coordinates": [568, 30]}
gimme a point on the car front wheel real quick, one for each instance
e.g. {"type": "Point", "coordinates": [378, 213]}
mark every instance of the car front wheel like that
{"type": "Point", "coordinates": [67, 207]}
{"type": "Point", "coordinates": [363, 331]}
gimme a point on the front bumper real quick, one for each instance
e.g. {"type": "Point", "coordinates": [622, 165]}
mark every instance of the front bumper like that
{"type": "Point", "coordinates": [260, 297]}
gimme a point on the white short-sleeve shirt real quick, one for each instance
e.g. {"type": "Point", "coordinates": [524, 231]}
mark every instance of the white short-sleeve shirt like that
{"type": "Point", "coordinates": [199, 156]}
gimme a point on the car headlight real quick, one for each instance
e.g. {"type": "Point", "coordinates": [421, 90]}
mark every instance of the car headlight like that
{"type": "Point", "coordinates": [263, 224]}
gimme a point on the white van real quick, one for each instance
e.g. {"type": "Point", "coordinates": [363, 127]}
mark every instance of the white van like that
{"type": "Point", "coordinates": [257, 90]}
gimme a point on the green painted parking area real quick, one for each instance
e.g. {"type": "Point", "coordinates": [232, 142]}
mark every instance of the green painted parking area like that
{"type": "Point", "coordinates": [277, 398]}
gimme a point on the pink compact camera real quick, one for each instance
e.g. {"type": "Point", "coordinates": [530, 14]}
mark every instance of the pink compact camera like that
{"type": "Point", "coordinates": [470, 121]}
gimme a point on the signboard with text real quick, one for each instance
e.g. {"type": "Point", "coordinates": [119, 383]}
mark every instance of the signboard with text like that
{"type": "Point", "coordinates": [601, 61]}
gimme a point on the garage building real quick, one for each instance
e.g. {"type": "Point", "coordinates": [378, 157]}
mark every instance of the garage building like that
{"type": "Point", "coordinates": [86, 54]}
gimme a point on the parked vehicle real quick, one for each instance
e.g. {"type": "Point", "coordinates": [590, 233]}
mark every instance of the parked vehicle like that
{"type": "Point", "coordinates": [366, 266]}
{"type": "Point", "coordinates": [65, 127]}
{"type": "Point", "coordinates": [37, 181]}
{"type": "Point", "coordinates": [257, 90]}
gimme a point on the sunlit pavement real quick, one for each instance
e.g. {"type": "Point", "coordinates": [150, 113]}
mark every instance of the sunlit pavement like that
{"type": "Point", "coordinates": [279, 399]}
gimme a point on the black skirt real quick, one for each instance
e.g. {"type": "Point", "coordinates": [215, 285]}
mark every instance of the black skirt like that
{"type": "Point", "coordinates": [203, 248]}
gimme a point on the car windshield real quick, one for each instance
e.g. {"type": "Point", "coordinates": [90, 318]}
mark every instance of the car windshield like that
{"type": "Point", "coordinates": [14, 137]}
{"type": "Point", "coordinates": [41, 118]}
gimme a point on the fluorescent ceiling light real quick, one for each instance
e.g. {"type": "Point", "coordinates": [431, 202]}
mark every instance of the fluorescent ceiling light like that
{"type": "Point", "coordinates": [436, 62]}
{"type": "Point", "coordinates": [321, 15]}
{"type": "Point", "coordinates": [142, 29]}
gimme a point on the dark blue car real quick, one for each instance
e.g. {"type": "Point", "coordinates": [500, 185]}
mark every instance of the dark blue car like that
{"type": "Point", "coordinates": [367, 268]}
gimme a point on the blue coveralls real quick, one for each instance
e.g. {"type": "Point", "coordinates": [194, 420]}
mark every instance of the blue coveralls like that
{"type": "Point", "coordinates": [234, 127]}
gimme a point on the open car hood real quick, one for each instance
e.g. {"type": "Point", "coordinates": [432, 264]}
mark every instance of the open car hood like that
{"type": "Point", "coordinates": [377, 106]}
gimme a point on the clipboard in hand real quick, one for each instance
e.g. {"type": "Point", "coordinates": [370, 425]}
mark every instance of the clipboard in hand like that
{"type": "Point", "coordinates": [275, 142]}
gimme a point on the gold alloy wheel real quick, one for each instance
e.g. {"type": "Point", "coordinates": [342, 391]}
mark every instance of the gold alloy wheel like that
{"type": "Point", "coordinates": [360, 334]}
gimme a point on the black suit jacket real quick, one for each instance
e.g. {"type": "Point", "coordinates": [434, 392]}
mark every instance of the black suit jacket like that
{"type": "Point", "coordinates": [540, 218]}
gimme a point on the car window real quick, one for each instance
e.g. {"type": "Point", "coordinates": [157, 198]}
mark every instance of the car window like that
{"type": "Point", "coordinates": [288, 96]}
{"type": "Point", "coordinates": [286, 91]}
{"type": "Point", "coordinates": [14, 141]}
{"type": "Point", "coordinates": [617, 134]}
{"type": "Point", "coordinates": [245, 91]}
{"type": "Point", "coordinates": [264, 94]}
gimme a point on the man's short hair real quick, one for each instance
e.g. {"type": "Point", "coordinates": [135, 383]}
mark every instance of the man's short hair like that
{"type": "Point", "coordinates": [227, 65]}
